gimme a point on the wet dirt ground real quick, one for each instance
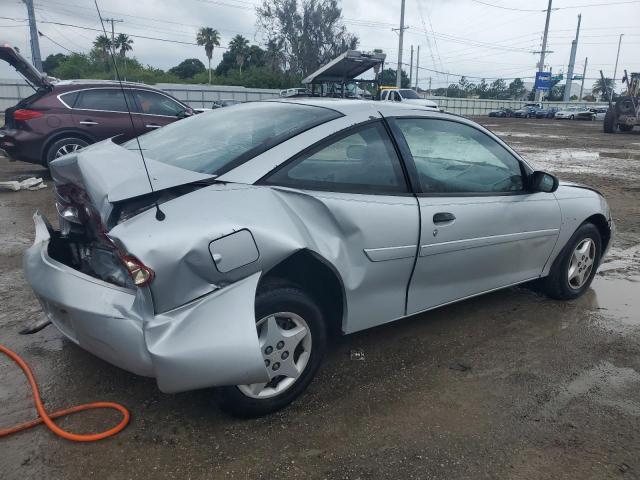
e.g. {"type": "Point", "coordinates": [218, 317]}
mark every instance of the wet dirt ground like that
{"type": "Point", "coordinates": [508, 385]}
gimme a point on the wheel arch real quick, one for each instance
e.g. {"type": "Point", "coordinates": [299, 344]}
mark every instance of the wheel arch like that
{"type": "Point", "coordinates": [319, 278]}
{"type": "Point", "coordinates": [57, 135]}
{"type": "Point", "coordinates": [602, 225]}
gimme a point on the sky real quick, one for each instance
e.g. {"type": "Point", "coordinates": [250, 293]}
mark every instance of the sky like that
{"type": "Point", "coordinates": [476, 38]}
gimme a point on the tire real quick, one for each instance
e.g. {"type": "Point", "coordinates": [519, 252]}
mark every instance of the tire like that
{"type": "Point", "coordinates": [292, 301]}
{"type": "Point", "coordinates": [610, 124]}
{"type": "Point", "coordinates": [625, 128]}
{"type": "Point", "coordinates": [587, 244]}
{"type": "Point", "coordinates": [572, 117]}
{"type": "Point", "coordinates": [71, 144]}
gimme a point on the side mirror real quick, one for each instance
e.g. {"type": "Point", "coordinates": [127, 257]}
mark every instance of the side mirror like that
{"type": "Point", "coordinates": [543, 182]}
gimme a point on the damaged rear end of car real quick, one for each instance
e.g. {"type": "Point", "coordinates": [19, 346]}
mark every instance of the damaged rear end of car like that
{"type": "Point", "coordinates": [96, 285]}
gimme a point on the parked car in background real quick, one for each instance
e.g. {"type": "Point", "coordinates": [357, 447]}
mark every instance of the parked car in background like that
{"type": "Point", "coordinates": [546, 112]}
{"type": "Point", "coordinates": [599, 112]}
{"type": "Point", "coordinates": [407, 96]}
{"type": "Point", "coordinates": [575, 113]}
{"type": "Point", "coordinates": [525, 112]}
{"type": "Point", "coordinates": [501, 112]}
{"type": "Point", "coordinates": [285, 220]}
{"type": "Point", "coordinates": [224, 103]}
{"type": "Point", "coordinates": [64, 116]}
{"type": "Point", "coordinates": [295, 92]}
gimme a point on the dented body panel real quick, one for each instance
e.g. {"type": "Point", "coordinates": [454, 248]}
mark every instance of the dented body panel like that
{"type": "Point", "coordinates": [194, 326]}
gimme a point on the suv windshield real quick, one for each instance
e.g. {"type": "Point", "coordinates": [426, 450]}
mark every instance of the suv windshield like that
{"type": "Point", "coordinates": [217, 141]}
{"type": "Point", "coordinates": [409, 94]}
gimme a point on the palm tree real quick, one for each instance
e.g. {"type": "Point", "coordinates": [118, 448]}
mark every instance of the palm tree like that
{"type": "Point", "coordinates": [603, 88]}
{"type": "Point", "coordinates": [239, 45]}
{"type": "Point", "coordinates": [102, 44]}
{"type": "Point", "coordinates": [123, 44]}
{"type": "Point", "coordinates": [209, 38]}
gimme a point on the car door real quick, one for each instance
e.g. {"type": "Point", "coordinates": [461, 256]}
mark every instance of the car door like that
{"type": "Point", "coordinates": [355, 183]}
{"type": "Point", "coordinates": [480, 228]}
{"type": "Point", "coordinates": [102, 113]}
{"type": "Point", "coordinates": [155, 110]}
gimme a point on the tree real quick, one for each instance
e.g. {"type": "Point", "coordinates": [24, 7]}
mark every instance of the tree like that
{"type": "Point", "coordinates": [517, 89]}
{"type": "Point", "coordinates": [388, 77]}
{"type": "Point", "coordinates": [208, 38]}
{"type": "Point", "coordinates": [239, 47]}
{"type": "Point", "coordinates": [498, 89]}
{"type": "Point", "coordinates": [123, 44]}
{"type": "Point", "coordinates": [102, 45]}
{"type": "Point", "coordinates": [482, 89]}
{"type": "Point", "coordinates": [188, 68]}
{"type": "Point", "coordinates": [603, 88]}
{"type": "Point", "coordinates": [309, 33]}
{"type": "Point", "coordinates": [53, 61]}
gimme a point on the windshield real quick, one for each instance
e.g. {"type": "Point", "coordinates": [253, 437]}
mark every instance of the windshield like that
{"type": "Point", "coordinates": [214, 142]}
{"type": "Point", "coordinates": [409, 94]}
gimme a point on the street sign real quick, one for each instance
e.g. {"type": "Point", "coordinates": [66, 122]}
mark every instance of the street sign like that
{"type": "Point", "coordinates": [543, 81]}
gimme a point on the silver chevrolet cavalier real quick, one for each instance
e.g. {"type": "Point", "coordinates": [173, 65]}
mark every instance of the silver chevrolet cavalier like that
{"type": "Point", "coordinates": [262, 227]}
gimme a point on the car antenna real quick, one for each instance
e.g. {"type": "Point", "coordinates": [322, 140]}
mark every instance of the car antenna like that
{"type": "Point", "coordinates": [160, 216]}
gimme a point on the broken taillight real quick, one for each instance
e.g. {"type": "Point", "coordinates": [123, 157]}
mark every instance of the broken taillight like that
{"type": "Point", "coordinates": [25, 114]}
{"type": "Point", "coordinates": [140, 273]}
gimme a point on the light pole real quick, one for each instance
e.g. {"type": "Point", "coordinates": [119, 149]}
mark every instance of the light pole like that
{"type": "Point", "coordinates": [615, 69]}
{"type": "Point", "coordinates": [401, 37]}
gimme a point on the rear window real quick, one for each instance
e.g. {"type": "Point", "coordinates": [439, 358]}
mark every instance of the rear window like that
{"type": "Point", "coordinates": [215, 142]}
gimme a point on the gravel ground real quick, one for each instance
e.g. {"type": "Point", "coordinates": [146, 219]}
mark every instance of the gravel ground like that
{"type": "Point", "coordinates": [508, 385]}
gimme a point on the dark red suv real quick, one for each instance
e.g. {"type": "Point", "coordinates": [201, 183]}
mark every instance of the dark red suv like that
{"type": "Point", "coordinates": [63, 116]}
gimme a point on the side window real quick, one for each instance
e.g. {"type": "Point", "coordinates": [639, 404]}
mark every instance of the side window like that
{"type": "Point", "coordinates": [108, 99]}
{"type": "Point", "coordinates": [156, 104]}
{"type": "Point", "coordinates": [70, 98]}
{"type": "Point", "coordinates": [451, 157]}
{"type": "Point", "coordinates": [358, 161]}
{"type": "Point", "coordinates": [396, 97]}
{"type": "Point", "coordinates": [384, 95]}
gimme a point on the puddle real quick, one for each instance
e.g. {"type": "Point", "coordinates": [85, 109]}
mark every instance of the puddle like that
{"type": "Point", "coordinates": [612, 163]}
{"type": "Point", "coordinates": [604, 384]}
{"type": "Point", "coordinates": [616, 302]}
{"type": "Point", "coordinates": [528, 135]}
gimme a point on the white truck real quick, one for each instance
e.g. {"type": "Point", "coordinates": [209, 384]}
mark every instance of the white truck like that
{"type": "Point", "coordinates": [406, 95]}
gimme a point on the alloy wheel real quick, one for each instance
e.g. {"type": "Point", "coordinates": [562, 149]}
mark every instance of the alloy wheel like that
{"type": "Point", "coordinates": [66, 149]}
{"type": "Point", "coordinates": [285, 342]}
{"type": "Point", "coordinates": [581, 263]}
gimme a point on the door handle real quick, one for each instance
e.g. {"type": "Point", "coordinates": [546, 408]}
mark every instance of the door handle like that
{"type": "Point", "coordinates": [443, 217]}
{"type": "Point", "coordinates": [88, 122]}
{"type": "Point", "coordinates": [153, 125]}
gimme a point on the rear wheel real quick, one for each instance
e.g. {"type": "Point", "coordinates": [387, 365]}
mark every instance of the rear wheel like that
{"type": "Point", "coordinates": [572, 117]}
{"type": "Point", "coordinates": [610, 122]}
{"type": "Point", "coordinates": [292, 337]}
{"type": "Point", "coordinates": [64, 146]}
{"type": "Point", "coordinates": [572, 272]}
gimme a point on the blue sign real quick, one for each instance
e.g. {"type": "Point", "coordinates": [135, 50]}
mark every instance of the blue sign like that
{"type": "Point", "coordinates": [543, 81]}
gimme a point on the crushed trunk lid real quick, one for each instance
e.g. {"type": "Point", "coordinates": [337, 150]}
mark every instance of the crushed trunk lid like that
{"type": "Point", "coordinates": [22, 65]}
{"type": "Point", "coordinates": [109, 173]}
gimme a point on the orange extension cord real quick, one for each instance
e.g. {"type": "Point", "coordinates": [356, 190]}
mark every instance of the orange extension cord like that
{"type": "Point", "coordinates": [47, 419]}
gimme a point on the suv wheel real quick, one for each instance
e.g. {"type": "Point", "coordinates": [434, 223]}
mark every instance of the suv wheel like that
{"type": "Point", "coordinates": [64, 146]}
{"type": "Point", "coordinates": [292, 337]}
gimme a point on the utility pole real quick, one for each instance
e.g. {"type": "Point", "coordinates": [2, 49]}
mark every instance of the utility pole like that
{"type": "Point", "coordinates": [584, 74]}
{"type": "Point", "coordinates": [401, 37]}
{"type": "Point", "coordinates": [430, 87]}
{"type": "Point", "coordinates": [572, 61]}
{"type": "Point", "coordinates": [113, 39]}
{"type": "Point", "coordinates": [411, 68]}
{"type": "Point", "coordinates": [33, 32]}
{"type": "Point", "coordinates": [615, 69]}
{"type": "Point", "coordinates": [544, 47]}
{"type": "Point", "coordinates": [417, 67]}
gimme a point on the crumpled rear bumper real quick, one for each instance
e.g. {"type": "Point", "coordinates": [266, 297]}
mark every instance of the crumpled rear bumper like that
{"type": "Point", "coordinates": [211, 341]}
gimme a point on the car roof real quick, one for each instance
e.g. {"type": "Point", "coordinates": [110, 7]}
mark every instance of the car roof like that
{"type": "Point", "coordinates": [78, 84]}
{"type": "Point", "coordinates": [349, 106]}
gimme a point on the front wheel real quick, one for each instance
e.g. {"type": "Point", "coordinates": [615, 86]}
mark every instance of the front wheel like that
{"type": "Point", "coordinates": [292, 337]}
{"type": "Point", "coordinates": [573, 270]}
{"type": "Point", "coordinates": [610, 122]}
{"type": "Point", "coordinates": [572, 117]}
